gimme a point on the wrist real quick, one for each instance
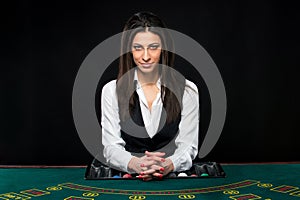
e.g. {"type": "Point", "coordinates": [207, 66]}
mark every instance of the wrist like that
{"type": "Point", "coordinates": [168, 165]}
{"type": "Point", "coordinates": [131, 164]}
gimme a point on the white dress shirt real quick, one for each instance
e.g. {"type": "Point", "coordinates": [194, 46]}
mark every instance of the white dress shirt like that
{"type": "Point", "coordinates": [187, 138]}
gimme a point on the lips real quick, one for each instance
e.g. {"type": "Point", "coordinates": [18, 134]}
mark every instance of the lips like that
{"type": "Point", "coordinates": [146, 65]}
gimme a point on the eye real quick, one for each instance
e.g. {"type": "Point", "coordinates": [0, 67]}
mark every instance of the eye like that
{"type": "Point", "coordinates": [137, 47]}
{"type": "Point", "coordinates": [154, 46]}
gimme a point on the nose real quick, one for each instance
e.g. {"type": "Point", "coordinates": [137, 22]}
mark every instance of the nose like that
{"type": "Point", "coordinates": [146, 57]}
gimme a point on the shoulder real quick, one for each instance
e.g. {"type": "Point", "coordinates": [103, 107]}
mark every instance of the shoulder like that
{"type": "Point", "coordinates": [190, 99]}
{"type": "Point", "coordinates": [190, 94]}
{"type": "Point", "coordinates": [109, 88]}
{"type": "Point", "coordinates": [109, 85]}
{"type": "Point", "coordinates": [190, 87]}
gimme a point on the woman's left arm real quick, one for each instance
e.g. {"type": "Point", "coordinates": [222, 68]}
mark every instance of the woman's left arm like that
{"type": "Point", "coordinates": [186, 141]}
{"type": "Point", "coordinates": [188, 136]}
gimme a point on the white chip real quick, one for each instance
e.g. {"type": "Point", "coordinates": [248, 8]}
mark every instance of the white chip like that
{"type": "Point", "coordinates": [182, 174]}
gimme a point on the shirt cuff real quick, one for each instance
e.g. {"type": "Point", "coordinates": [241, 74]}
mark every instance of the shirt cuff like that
{"type": "Point", "coordinates": [181, 162]}
{"type": "Point", "coordinates": [123, 158]}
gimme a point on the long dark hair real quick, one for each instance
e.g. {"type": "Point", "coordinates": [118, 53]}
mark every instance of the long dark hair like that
{"type": "Point", "coordinates": [171, 99]}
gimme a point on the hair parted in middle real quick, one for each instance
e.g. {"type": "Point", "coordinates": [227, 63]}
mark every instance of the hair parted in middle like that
{"type": "Point", "coordinates": [172, 100]}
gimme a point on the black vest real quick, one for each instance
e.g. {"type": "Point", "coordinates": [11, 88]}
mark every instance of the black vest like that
{"type": "Point", "coordinates": [137, 139]}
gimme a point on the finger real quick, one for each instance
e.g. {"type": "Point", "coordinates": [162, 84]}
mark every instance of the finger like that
{"type": "Point", "coordinates": [158, 159]}
{"type": "Point", "coordinates": [148, 172]}
{"type": "Point", "coordinates": [147, 179]}
{"type": "Point", "coordinates": [158, 168]}
{"type": "Point", "coordinates": [159, 154]}
{"type": "Point", "coordinates": [158, 176]}
{"type": "Point", "coordinates": [144, 168]}
{"type": "Point", "coordinates": [141, 176]}
{"type": "Point", "coordinates": [148, 163]}
{"type": "Point", "coordinates": [153, 157]}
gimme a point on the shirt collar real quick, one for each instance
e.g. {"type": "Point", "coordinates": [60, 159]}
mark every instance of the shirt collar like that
{"type": "Point", "coordinates": [138, 84]}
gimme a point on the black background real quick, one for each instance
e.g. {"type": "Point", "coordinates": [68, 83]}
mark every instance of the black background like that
{"type": "Point", "coordinates": [254, 44]}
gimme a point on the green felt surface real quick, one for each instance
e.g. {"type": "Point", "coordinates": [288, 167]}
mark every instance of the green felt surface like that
{"type": "Point", "coordinates": [261, 181]}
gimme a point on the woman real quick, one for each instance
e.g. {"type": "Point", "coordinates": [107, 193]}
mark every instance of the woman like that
{"type": "Point", "coordinates": [149, 106]}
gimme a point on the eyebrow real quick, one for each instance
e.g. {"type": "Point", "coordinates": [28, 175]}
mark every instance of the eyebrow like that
{"type": "Point", "coordinates": [137, 44]}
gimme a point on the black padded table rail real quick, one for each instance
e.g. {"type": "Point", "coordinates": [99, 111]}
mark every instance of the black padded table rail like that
{"type": "Point", "coordinates": [99, 171]}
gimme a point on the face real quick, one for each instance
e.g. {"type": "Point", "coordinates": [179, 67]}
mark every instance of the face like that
{"type": "Point", "coordinates": [146, 50]}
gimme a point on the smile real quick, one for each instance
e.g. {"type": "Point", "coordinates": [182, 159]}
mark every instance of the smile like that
{"type": "Point", "coordinates": [146, 64]}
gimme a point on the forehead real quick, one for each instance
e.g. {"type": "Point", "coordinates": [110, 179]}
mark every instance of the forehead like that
{"type": "Point", "coordinates": [145, 38]}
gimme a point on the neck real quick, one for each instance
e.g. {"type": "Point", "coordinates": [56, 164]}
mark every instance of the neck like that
{"type": "Point", "coordinates": [145, 78]}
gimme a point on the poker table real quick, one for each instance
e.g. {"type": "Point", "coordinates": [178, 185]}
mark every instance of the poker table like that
{"type": "Point", "coordinates": [267, 181]}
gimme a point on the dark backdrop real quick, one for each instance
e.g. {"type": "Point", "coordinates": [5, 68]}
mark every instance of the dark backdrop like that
{"type": "Point", "coordinates": [254, 45]}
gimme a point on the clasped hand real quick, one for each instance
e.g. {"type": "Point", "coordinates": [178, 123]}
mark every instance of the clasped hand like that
{"type": "Point", "coordinates": [151, 165]}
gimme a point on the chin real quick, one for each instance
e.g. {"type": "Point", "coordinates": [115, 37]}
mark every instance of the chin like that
{"type": "Point", "coordinates": [146, 69]}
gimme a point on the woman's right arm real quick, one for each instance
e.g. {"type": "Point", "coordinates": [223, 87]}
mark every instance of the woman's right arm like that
{"type": "Point", "coordinates": [114, 150]}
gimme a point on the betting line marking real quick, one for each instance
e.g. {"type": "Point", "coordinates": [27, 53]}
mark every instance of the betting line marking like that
{"type": "Point", "coordinates": [35, 192]}
{"type": "Point", "coordinates": [240, 184]}
{"type": "Point", "coordinates": [77, 198]}
{"type": "Point", "coordinates": [13, 195]}
{"type": "Point", "coordinates": [245, 196]}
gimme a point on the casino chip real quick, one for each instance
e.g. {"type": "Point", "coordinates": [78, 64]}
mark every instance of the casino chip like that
{"type": "Point", "coordinates": [127, 176]}
{"type": "Point", "coordinates": [171, 175]}
{"type": "Point", "coordinates": [182, 174]}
